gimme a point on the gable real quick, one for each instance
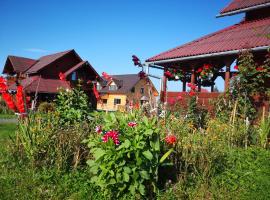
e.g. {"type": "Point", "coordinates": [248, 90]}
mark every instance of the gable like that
{"type": "Point", "coordinates": [15, 64]}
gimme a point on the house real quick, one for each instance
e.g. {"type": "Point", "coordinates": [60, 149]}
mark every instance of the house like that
{"type": "Point", "coordinates": [121, 91]}
{"type": "Point", "coordinates": [40, 77]}
{"type": "Point", "coordinates": [221, 48]}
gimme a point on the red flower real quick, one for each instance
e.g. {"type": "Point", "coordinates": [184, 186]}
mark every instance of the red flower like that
{"type": "Point", "coordinates": [62, 76]}
{"type": "Point", "coordinates": [236, 67]}
{"type": "Point", "coordinates": [114, 135]}
{"type": "Point", "coordinates": [199, 70]}
{"type": "Point", "coordinates": [207, 66]}
{"type": "Point", "coordinates": [3, 84]}
{"type": "Point", "coordinates": [191, 86]}
{"type": "Point", "coordinates": [259, 69]}
{"type": "Point", "coordinates": [20, 99]}
{"type": "Point", "coordinates": [132, 124]}
{"type": "Point", "coordinates": [170, 139]}
{"type": "Point", "coordinates": [142, 74]}
{"type": "Point", "coordinates": [168, 74]}
{"type": "Point", "coordinates": [179, 98]}
{"type": "Point", "coordinates": [136, 60]}
{"type": "Point", "coordinates": [191, 93]}
{"type": "Point", "coordinates": [106, 76]}
{"type": "Point", "coordinates": [98, 129]}
{"type": "Point", "coordinates": [9, 101]}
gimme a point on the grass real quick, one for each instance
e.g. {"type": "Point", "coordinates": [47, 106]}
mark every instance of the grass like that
{"type": "Point", "coordinates": [7, 116]}
{"type": "Point", "coordinates": [6, 130]}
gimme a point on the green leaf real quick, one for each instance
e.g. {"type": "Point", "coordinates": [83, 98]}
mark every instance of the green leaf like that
{"type": "Point", "coordinates": [127, 143]}
{"type": "Point", "coordinates": [145, 175]}
{"type": "Point", "coordinates": [148, 132]}
{"type": "Point", "coordinates": [148, 155]}
{"type": "Point", "coordinates": [142, 189]}
{"type": "Point", "coordinates": [126, 177]}
{"type": "Point", "coordinates": [98, 153]}
{"type": "Point", "coordinates": [165, 156]}
{"type": "Point", "coordinates": [127, 170]}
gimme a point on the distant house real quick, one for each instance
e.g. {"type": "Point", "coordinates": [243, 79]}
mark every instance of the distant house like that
{"type": "Point", "coordinates": [123, 91]}
{"type": "Point", "coordinates": [40, 77]}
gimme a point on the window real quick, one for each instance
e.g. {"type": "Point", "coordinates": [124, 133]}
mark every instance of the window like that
{"type": "Point", "coordinates": [104, 101]}
{"type": "Point", "coordinates": [113, 87]}
{"type": "Point", "coordinates": [99, 86]}
{"type": "Point", "coordinates": [133, 90]}
{"type": "Point", "coordinates": [117, 101]}
{"type": "Point", "coordinates": [142, 90]}
{"type": "Point", "coordinates": [74, 76]}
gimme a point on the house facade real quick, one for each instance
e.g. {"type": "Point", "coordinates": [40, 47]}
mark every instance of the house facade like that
{"type": "Point", "coordinates": [40, 77]}
{"type": "Point", "coordinates": [122, 92]}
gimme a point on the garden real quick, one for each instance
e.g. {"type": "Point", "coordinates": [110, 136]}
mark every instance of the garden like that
{"type": "Point", "coordinates": [65, 150]}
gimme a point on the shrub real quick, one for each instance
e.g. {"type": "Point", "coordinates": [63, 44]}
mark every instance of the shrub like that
{"type": "Point", "coordinates": [72, 106]}
{"type": "Point", "coordinates": [46, 107]}
{"type": "Point", "coordinates": [126, 155]}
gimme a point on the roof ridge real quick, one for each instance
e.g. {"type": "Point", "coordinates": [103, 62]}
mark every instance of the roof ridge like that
{"type": "Point", "coordinates": [20, 57]}
{"type": "Point", "coordinates": [67, 51]}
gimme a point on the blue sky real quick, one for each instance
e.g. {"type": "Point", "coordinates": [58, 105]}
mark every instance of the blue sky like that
{"type": "Point", "coordinates": [106, 32]}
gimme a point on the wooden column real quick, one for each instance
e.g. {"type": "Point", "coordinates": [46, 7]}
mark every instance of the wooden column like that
{"type": "Point", "coordinates": [184, 83]}
{"type": "Point", "coordinates": [164, 90]}
{"type": "Point", "coordinates": [199, 86]}
{"type": "Point", "coordinates": [193, 75]}
{"type": "Point", "coordinates": [212, 88]}
{"type": "Point", "coordinates": [227, 76]}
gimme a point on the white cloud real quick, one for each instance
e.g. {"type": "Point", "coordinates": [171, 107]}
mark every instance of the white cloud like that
{"type": "Point", "coordinates": [35, 50]}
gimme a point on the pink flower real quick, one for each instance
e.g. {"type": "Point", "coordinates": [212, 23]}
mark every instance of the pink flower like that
{"type": "Point", "coordinates": [199, 70]}
{"type": "Point", "coordinates": [142, 75]}
{"type": "Point", "coordinates": [132, 124]}
{"type": "Point", "coordinates": [206, 66]}
{"type": "Point", "coordinates": [179, 98]}
{"type": "Point", "coordinates": [236, 67]}
{"type": "Point", "coordinates": [170, 139]}
{"type": "Point", "coordinates": [114, 135]}
{"type": "Point", "coordinates": [98, 129]}
{"type": "Point", "coordinates": [191, 93]}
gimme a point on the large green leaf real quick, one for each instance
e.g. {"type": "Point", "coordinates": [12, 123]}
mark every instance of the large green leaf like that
{"type": "Point", "coordinates": [126, 177]}
{"type": "Point", "coordinates": [165, 156]}
{"type": "Point", "coordinates": [148, 155]}
{"type": "Point", "coordinates": [145, 175]}
{"type": "Point", "coordinates": [98, 153]}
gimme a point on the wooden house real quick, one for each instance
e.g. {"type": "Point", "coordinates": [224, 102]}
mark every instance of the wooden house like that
{"type": "Point", "coordinates": [221, 48]}
{"type": "Point", "coordinates": [40, 77]}
{"type": "Point", "coordinates": [124, 91]}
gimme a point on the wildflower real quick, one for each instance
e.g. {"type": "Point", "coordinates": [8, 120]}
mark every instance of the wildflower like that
{"type": "Point", "coordinates": [98, 129]}
{"type": "Point", "coordinates": [179, 98]}
{"type": "Point", "coordinates": [114, 135]}
{"type": "Point", "coordinates": [199, 70]}
{"type": "Point", "coordinates": [236, 67]}
{"type": "Point", "coordinates": [106, 76]}
{"type": "Point", "coordinates": [191, 93]}
{"type": "Point", "coordinates": [9, 101]}
{"type": "Point", "coordinates": [170, 139]}
{"type": "Point", "coordinates": [136, 60]}
{"type": "Point", "coordinates": [259, 69]}
{"type": "Point", "coordinates": [62, 76]}
{"type": "Point", "coordinates": [142, 74]}
{"type": "Point", "coordinates": [132, 124]}
{"type": "Point", "coordinates": [192, 86]}
{"type": "Point", "coordinates": [168, 74]}
{"type": "Point", "coordinates": [20, 99]}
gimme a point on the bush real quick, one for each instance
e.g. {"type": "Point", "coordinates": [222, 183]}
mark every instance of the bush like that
{"type": "Point", "coordinates": [126, 154]}
{"type": "Point", "coordinates": [72, 106]}
{"type": "Point", "coordinates": [46, 107]}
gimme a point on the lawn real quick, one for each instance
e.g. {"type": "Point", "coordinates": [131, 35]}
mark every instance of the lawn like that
{"type": "Point", "coordinates": [6, 130]}
{"type": "Point", "coordinates": [7, 116]}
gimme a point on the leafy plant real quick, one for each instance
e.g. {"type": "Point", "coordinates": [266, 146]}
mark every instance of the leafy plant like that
{"type": "Point", "coordinates": [130, 166]}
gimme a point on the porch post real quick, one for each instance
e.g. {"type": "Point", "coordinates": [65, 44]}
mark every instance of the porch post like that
{"type": "Point", "coordinates": [212, 88]}
{"type": "Point", "coordinates": [184, 83]}
{"type": "Point", "coordinates": [227, 76]}
{"type": "Point", "coordinates": [193, 75]}
{"type": "Point", "coordinates": [164, 90]}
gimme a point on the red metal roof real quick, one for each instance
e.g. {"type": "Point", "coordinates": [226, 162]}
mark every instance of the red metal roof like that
{"type": "Point", "coordinates": [247, 34]}
{"type": "Point", "coordinates": [46, 60]}
{"type": "Point", "coordinates": [242, 4]}
{"type": "Point", "coordinates": [42, 85]}
{"type": "Point", "coordinates": [20, 64]}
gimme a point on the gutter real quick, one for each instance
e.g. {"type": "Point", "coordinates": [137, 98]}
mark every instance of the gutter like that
{"type": "Point", "coordinates": [243, 10]}
{"type": "Point", "coordinates": [206, 55]}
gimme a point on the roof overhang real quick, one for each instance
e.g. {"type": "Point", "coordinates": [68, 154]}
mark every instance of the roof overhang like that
{"type": "Point", "coordinates": [225, 53]}
{"type": "Point", "coordinates": [229, 13]}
